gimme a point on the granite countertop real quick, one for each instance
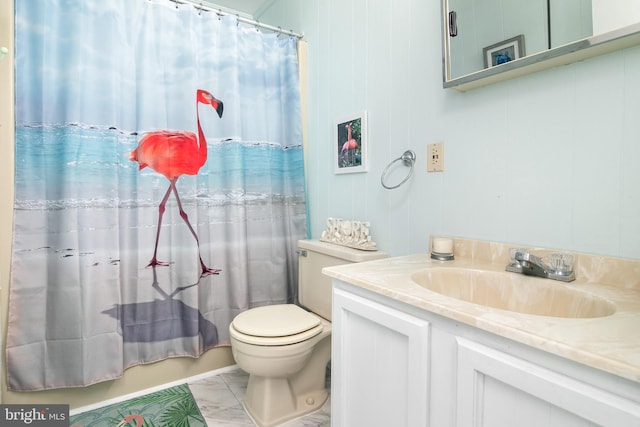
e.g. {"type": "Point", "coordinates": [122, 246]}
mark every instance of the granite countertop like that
{"type": "Point", "coordinates": [610, 343]}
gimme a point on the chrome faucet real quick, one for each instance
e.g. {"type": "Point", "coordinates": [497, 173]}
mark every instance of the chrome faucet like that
{"type": "Point", "coordinates": [560, 265]}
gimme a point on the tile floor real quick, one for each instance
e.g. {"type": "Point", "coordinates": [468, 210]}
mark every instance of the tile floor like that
{"type": "Point", "coordinates": [220, 400]}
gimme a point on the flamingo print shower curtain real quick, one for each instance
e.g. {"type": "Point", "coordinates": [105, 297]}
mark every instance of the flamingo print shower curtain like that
{"type": "Point", "coordinates": [159, 185]}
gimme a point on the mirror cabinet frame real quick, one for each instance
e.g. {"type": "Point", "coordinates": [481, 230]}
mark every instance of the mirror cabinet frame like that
{"type": "Point", "coordinates": [566, 54]}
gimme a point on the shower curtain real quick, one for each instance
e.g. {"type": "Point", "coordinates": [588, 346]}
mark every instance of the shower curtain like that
{"type": "Point", "coordinates": [159, 185]}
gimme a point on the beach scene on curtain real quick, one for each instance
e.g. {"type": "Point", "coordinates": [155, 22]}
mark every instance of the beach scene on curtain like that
{"type": "Point", "coordinates": [86, 300]}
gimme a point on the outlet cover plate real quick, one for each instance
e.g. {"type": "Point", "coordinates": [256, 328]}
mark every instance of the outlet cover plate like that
{"type": "Point", "coordinates": [435, 157]}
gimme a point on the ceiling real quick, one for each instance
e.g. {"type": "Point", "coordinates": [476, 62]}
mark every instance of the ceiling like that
{"type": "Point", "coordinates": [250, 8]}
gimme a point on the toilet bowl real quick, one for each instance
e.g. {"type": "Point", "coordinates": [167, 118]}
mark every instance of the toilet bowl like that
{"type": "Point", "coordinates": [286, 373]}
{"type": "Point", "coordinates": [286, 348]}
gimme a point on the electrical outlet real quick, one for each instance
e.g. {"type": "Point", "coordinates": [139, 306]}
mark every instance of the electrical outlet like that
{"type": "Point", "coordinates": [435, 157]}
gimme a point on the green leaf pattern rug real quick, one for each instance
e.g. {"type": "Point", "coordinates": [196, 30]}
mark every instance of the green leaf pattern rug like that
{"type": "Point", "coordinates": [171, 407]}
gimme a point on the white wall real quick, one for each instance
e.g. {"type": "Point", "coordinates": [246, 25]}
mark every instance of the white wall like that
{"type": "Point", "coordinates": [551, 159]}
{"type": "Point", "coordinates": [609, 15]}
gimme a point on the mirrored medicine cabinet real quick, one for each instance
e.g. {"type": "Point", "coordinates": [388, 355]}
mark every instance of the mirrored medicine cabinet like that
{"type": "Point", "coordinates": [488, 41]}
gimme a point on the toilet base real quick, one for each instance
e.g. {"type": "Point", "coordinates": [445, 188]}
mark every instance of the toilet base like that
{"type": "Point", "coordinates": [280, 406]}
{"type": "Point", "coordinates": [272, 401]}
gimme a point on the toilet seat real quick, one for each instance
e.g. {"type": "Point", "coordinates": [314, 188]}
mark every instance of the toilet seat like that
{"type": "Point", "coordinates": [275, 325]}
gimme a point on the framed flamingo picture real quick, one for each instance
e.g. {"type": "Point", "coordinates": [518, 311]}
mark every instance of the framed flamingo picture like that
{"type": "Point", "coordinates": [350, 144]}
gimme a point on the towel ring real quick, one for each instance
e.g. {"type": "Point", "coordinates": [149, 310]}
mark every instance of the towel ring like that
{"type": "Point", "coordinates": [409, 159]}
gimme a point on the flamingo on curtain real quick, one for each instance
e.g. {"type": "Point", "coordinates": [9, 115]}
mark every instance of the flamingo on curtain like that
{"type": "Point", "coordinates": [172, 154]}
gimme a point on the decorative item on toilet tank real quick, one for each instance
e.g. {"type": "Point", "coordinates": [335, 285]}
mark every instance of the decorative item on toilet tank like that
{"type": "Point", "coordinates": [353, 234]}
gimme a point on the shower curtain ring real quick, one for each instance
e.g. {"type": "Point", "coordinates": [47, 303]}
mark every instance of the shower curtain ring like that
{"type": "Point", "coordinates": [409, 159]}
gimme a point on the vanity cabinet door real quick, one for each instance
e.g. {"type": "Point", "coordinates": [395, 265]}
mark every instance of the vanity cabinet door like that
{"type": "Point", "coordinates": [380, 364]}
{"type": "Point", "coordinates": [499, 390]}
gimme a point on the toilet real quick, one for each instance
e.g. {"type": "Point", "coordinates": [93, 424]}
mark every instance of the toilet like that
{"type": "Point", "coordinates": [285, 348]}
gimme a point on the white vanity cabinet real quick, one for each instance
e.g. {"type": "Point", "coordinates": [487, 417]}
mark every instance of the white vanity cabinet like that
{"type": "Point", "coordinates": [497, 389]}
{"type": "Point", "coordinates": [397, 365]}
{"type": "Point", "coordinates": [380, 364]}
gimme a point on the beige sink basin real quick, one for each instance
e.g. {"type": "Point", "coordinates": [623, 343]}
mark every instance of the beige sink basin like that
{"type": "Point", "coordinates": [514, 292]}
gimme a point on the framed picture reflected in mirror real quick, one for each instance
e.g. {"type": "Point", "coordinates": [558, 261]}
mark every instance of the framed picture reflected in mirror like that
{"type": "Point", "coordinates": [504, 51]}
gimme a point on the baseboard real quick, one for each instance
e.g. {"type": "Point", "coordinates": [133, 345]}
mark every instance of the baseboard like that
{"type": "Point", "coordinates": [152, 389]}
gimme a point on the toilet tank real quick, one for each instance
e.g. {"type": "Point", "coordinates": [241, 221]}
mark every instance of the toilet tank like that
{"type": "Point", "coordinates": [314, 288]}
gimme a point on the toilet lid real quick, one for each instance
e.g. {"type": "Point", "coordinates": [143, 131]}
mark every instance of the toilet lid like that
{"type": "Point", "coordinates": [273, 321]}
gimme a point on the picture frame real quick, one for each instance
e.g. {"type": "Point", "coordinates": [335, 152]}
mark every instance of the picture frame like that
{"type": "Point", "coordinates": [504, 51]}
{"type": "Point", "coordinates": [350, 145]}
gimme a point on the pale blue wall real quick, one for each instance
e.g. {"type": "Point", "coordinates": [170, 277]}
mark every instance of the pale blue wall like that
{"type": "Point", "coordinates": [551, 159]}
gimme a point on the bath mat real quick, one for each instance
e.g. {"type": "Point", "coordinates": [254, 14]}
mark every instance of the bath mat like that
{"type": "Point", "coordinates": [174, 407]}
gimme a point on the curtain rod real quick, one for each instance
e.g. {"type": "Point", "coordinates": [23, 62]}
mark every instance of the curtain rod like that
{"type": "Point", "coordinates": [200, 6]}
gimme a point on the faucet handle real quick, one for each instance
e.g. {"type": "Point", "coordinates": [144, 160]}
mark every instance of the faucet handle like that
{"type": "Point", "coordinates": [561, 263]}
{"type": "Point", "coordinates": [561, 266]}
{"type": "Point", "coordinates": [515, 255]}
{"type": "Point", "coordinates": [518, 254]}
